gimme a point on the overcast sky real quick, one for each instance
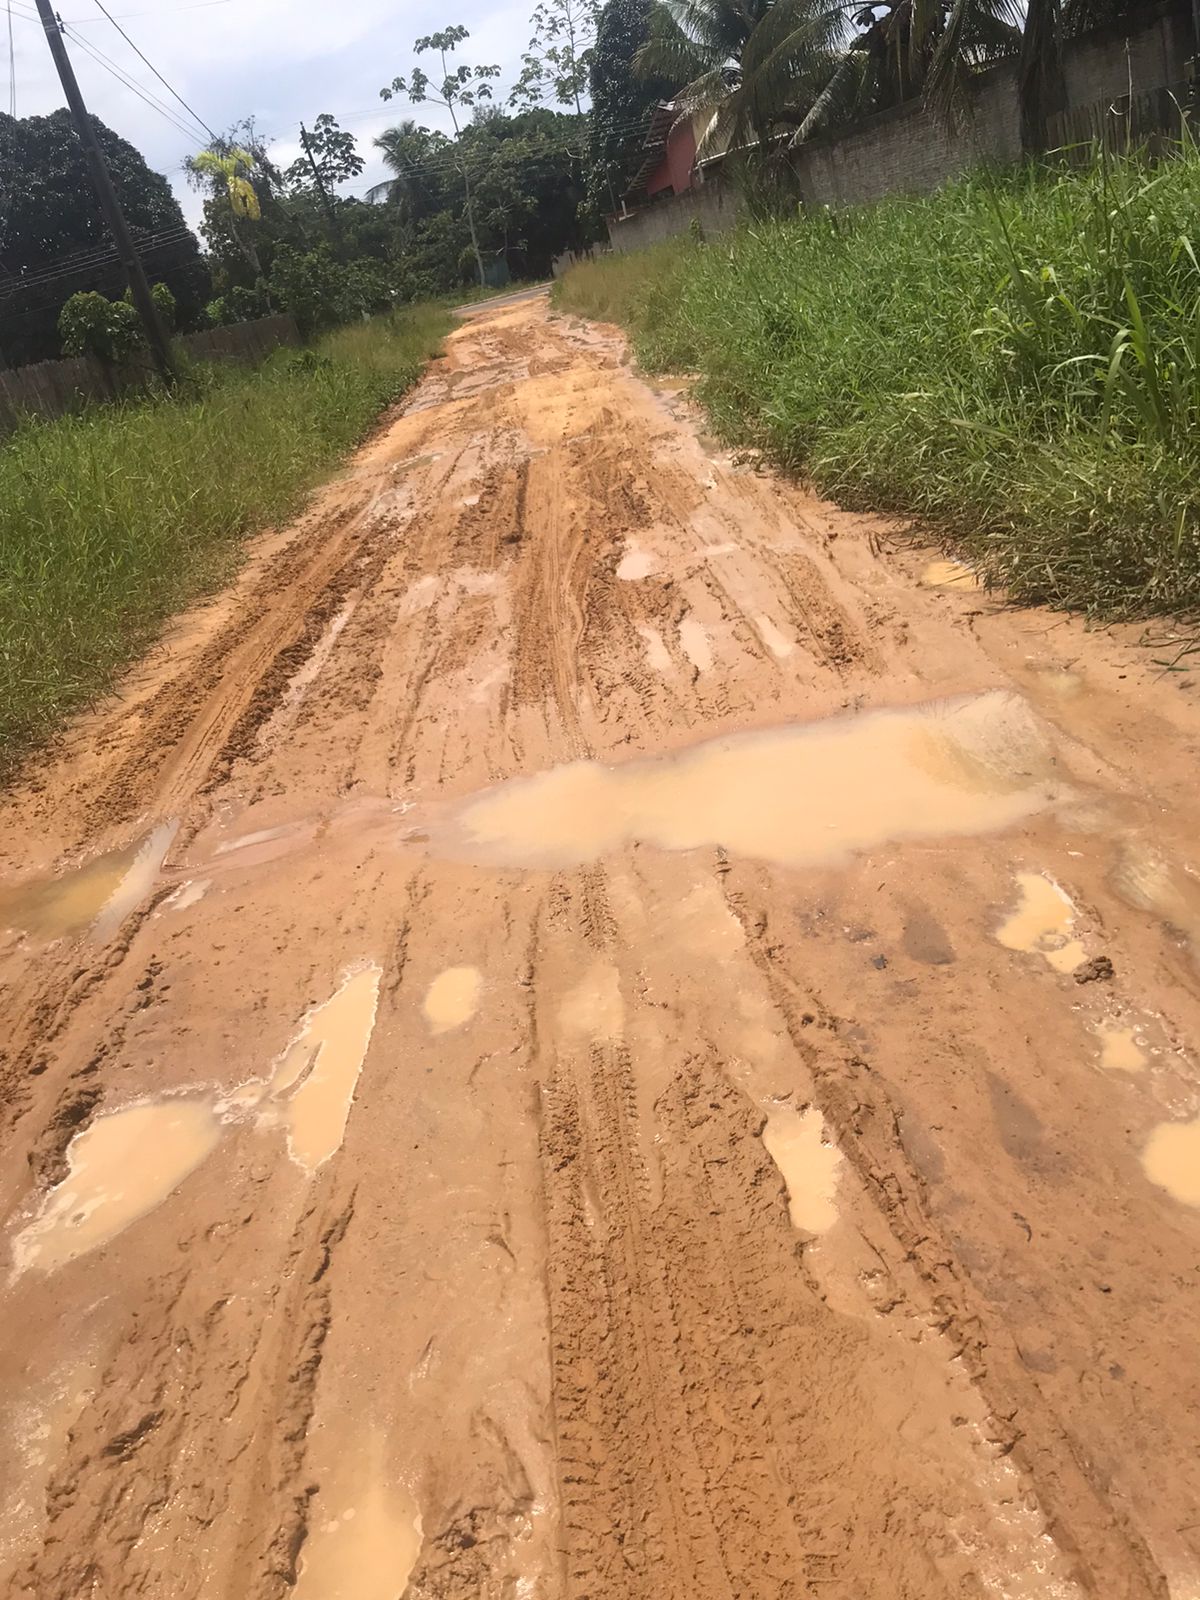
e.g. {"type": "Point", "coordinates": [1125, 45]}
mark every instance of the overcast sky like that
{"type": "Point", "coordinates": [282, 61]}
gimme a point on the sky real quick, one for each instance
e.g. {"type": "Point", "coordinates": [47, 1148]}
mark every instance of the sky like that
{"type": "Point", "coordinates": [281, 61]}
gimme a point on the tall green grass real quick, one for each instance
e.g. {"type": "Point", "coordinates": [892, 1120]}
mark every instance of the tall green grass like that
{"type": "Point", "coordinates": [112, 519]}
{"type": "Point", "coordinates": [1015, 359]}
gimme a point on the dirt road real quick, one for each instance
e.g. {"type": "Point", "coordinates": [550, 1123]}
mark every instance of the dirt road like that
{"type": "Point", "coordinates": [597, 1027]}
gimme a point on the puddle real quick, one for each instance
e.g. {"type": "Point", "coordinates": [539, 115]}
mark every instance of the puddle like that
{"type": "Point", "coordinates": [453, 998]}
{"type": "Point", "coordinates": [401, 469]}
{"type": "Point", "coordinates": [778, 643]}
{"type": "Point", "coordinates": [594, 1009]}
{"type": "Point", "coordinates": [1145, 879]}
{"type": "Point", "coordinates": [635, 563]}
{"type": "Point", "coordinates": [1120, 1048]}
{"type": "Point", "coordinates": [808, 1166]}
{"type": "Point", "coordinates": [794, 795]}
{"type": "Point", "coordinates": [187, 895]}
{"type": "Point", "coordinates": [99, 895]}
{"type": "Point", "coordinates": [364, 1533]}
{"type": "Point", "coordinates": [1041, 925]}
{"type": "Point", "coordinates": [319, 1070]}
{"type": "Point", "coordinates": [121, 1167]}
{"type": "Point", "coordinates": [950, 575]}
{"type": "Point", "coordinates": [657, 653]}
{"type": "Point", "coordinates": [696, 644]}
{"type": "Point", "coordinates": [1171, 1159]}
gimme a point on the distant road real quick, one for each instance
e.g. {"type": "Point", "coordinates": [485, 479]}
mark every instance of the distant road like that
{"type": "Point", "coordinates": [501, 300]}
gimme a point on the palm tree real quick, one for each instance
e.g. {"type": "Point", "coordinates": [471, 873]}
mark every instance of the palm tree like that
{"type": "Point", "coordinates": [227, 171]}
{"type": "Point", "coordinates": [748, 67]}
{"type": "Point", "coordinates": [407, 150]}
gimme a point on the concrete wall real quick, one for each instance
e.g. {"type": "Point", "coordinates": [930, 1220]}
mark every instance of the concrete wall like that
{"type": "Point", "coordinates": [713, 205]}
{"type": "Point", "coordinates": [905, 151]}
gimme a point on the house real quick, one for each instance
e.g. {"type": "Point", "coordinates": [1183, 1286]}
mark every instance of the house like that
{"type": "Point", "coordinates": [668, 164]}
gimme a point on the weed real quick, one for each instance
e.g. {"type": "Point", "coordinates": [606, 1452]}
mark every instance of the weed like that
{"type": "Point", "coordinates": [1015, 359]}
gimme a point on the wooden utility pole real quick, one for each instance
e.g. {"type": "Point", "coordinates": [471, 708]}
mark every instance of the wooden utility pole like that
{"type": "Point", "coordinates": [334, 229]}
{"type": "Point", "coordinates": [139, 286]}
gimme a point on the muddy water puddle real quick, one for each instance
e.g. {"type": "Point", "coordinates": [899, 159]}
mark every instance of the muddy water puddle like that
{"type": "Point", "coordinates": [1121, 1048]}
{"type": "Point", "coordinates": [1042, 923]}
{"type": "Point", "coordinates": [452, 999]}
{"type": "Point", "coordinates": [318, 1073]}
{"type": "Point", "coordinates": [795, 1141]}
{"type": "Point", "coordinates": [121, 1167]}
{"type": "Point", "coordinates": [950, 575]}
{"type": "Point", "coordinates": [1145, 878]}
{"type": "Point", "coordinates": [96, 896]}
{"type": "Point", "coordinates": [795, 795]}
{"type": "Point", "coordinates": [364, 1530]}
{"type": "Point", "coordinates": [1171, 1159]}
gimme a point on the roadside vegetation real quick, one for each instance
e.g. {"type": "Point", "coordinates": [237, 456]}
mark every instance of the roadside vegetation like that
{"type": "Point", "coordinates": [112, 519]}
{"type": "Point", "coordinates": [1015, 359]}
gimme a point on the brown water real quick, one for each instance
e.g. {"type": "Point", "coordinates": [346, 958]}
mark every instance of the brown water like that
{"type": "Point", "coordinates": [950, 575]}
{"type": "Point", "coordinates": [1041, 923]}
{"type": "Point", "coordinates": [121, 1167]}
{"type": "Point", "coordinates": [795, 795]}
{"type": "Point", "coordinates": [453, 998]}
{"type": "Point", "coordinates": [1147, 879]}
{"type": "Point", "coordinates": [795, 1142]}
{"type": "Point", "coordinates": [696, 644]}
{"type": "Point", "coordinates": [1172, 1159]}
{"type": "Point", "coordinates": [98, 895]}
{"type": "Point", "coordinates": [364, 1530]}
{"type": "Point", "coordinates": [593, 1008]}
{"type": "Point", "coordinates": [1120, 1048]}
{"type": "Point", "coordinates": [318, 1073]}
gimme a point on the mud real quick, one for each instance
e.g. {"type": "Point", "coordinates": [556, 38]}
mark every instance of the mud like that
{"type": "Point", "coordinates": [590, 1099]}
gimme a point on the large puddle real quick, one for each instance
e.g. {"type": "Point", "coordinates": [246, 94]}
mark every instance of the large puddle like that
{"type": "Point", "coordinates": [318, 1073]}
{"type": "Point", "coordinates": [98, 895]}
{"type": "Point", "coordinates": [795, 795]}
{"type": "Point", "coordinates": [121, 1167]}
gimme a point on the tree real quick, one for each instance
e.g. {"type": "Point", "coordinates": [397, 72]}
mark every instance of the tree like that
{"type": "Point", "coordinates": [461, 87]}
{"type": "Point", "coordinates": [749, 68]}
{"type": "Point", "coordinates": [90, 324]}
{"type": "Point", "coordinates": [621, 98]}
{"type": "Point", "coordinates": [53, 240]}
{"type": "Point", "coordinates": [331, 157]}
{"type": "Point", "coordinates": [226, 173]}
{"type": "Point", "coordinates": [416, 158]}
{"type": "Point", "coordinates": [560, 54]}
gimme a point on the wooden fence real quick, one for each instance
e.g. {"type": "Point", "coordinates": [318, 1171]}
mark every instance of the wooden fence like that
{"type": "Point", "coordinates": [1155, 119]}
{"type": "Point", "coordinates": [50, 388]}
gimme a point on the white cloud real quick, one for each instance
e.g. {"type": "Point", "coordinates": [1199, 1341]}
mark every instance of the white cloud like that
{"type": "Point", "coordinates": [282, 61]}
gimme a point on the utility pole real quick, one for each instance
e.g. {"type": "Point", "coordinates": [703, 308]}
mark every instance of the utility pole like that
{"type": "Point", "coordinates": [321, 189]}
{"type": "Point", "coordinates": [109, 204]}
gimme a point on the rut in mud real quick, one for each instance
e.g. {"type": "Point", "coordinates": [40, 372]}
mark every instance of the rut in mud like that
{"type": "Point", "coordinates": [596, 1027]}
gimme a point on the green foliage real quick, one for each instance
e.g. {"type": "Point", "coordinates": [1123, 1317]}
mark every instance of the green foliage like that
{"type": "Point", "coordinates": [49, 211]}
{"type": "Point", "coordinates": [560, 55]}
{"type": "Point", "coordinates": [333, 153]}
{"type": "Point", "coordinates": [1016, 361]}
{"type": "Point", "coordinates": [163, 299]}
{"type": "Point", "coordinates": [90, 324]}
{"type": "Point", "coordinates": [112, 519]}
{"type": "Point", "coordinates": [321, 291]}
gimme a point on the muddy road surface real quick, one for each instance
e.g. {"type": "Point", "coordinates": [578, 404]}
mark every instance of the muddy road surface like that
{"type": "Point", "coordinates": [596, 1027]}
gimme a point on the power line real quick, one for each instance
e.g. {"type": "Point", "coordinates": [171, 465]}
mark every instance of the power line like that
{"type": "Point", "coordinates": [134, 88]}
{"type": "Point", "coordinates": [154, 70]}
{"type": "Point", "coordinates": [80, 261]}
{"type": "Point", "coordinates": [12, 66]}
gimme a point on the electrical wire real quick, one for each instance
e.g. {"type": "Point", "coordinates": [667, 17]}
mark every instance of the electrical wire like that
{"type": "Point", "coordinates": [192, 134]}
{"type": "Point", "coordinates": [12, 66]}
{"type": "Point", "coordinates": [196, 117]}
{"type": "Point", "coordinates": [79, 261]}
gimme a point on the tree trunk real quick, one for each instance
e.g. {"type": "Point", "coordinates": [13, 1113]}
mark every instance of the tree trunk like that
{"type": "Point", "coordinates": [1040, 84]}
{"type": "Point", "coordinates": [471, 225]}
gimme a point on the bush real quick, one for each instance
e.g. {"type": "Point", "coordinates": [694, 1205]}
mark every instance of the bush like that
{"type": "Point", "coordinates": [90, 324]}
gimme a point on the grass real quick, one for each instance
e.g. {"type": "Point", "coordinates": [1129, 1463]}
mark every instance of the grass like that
{"type": "Point", "coordinates": [111, 520]}
{"type": "Point", "coordinates": [1015, 359]}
